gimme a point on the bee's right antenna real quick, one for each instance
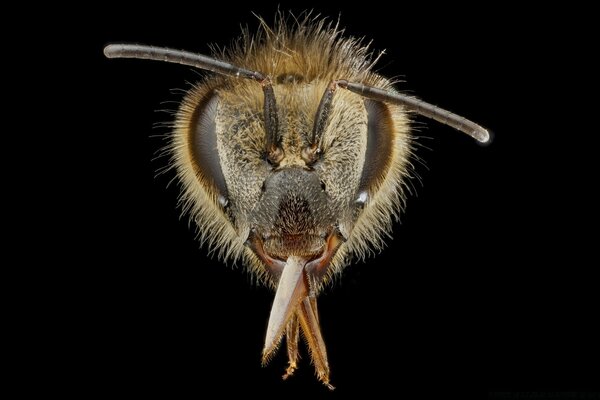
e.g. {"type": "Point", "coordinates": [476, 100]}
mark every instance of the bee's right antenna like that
{"type": "Point", "coordinates": [420, 107]}
{"type": "Point", "coordinates": [273, 149]}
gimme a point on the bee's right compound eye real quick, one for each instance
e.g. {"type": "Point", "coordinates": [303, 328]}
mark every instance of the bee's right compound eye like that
{"type": "Point", "coordinates": [203, 148]}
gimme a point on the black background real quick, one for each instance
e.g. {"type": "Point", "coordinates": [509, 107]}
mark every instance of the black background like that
{"type": "Point", "coordinates": [482, 287]}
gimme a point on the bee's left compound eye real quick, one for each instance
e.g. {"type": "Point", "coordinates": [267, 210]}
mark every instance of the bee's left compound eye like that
{"type": "Point", "coordinates": [380, 137]}
{"type": "Point", "coordinates": [203, 147]}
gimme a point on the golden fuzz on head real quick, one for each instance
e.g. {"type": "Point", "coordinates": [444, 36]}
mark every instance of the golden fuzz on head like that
{"type": "Point", "coordinates": [311, 47]}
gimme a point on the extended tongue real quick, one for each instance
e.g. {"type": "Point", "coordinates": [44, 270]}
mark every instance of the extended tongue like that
{"type": "Point", "coordinates": [291, 289]}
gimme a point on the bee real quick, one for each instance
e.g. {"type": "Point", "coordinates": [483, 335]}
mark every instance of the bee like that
{"type": "Point", "coordinates": [294, 156]}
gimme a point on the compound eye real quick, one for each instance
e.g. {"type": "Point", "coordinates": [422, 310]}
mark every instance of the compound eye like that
{"type": "Point", "coordinates": [203, 147]}
{"type": "Point", "coordinates": [378, 156]}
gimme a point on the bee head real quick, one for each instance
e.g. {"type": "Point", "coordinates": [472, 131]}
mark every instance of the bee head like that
{"type": "Point", "coordinates": [281, 168]}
